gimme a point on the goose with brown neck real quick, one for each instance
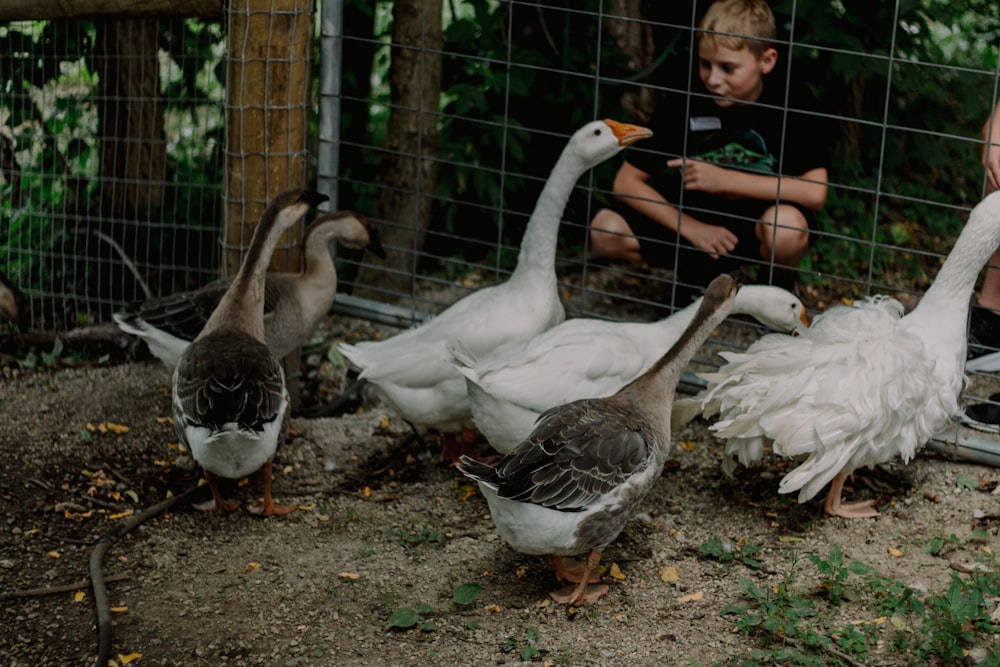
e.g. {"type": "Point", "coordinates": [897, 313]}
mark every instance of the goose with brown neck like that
{"type": "Point", "coordinates": [294, 303]}
{"type": "Point", "coordinates": [12, 303]}
{"type": "Point", "coordinates": [571, 486]}
{"type": "Point", "coordinates": [412, 370]}
{"type": "Point", "coordinates": [230, 403]}
{"type": "Point", "coordinates": [863, 385]}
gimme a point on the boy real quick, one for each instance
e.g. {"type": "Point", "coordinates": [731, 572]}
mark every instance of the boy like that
{"type": "Point", "coordinates": [731, 199]}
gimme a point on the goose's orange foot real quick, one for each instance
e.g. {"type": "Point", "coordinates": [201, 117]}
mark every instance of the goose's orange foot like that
{"type": "Point", "coordinates": [579, 595]}
{"type": "Point", "coordinates": [572, 571]}
{"type": "Point", "coordinates": [452, 448]}
{"type": "Point", "coordinates": [832, 505]}
{"type": "Point", "coordinates": [269, 507]}
{"type": "Point", "coordinates": [218, 504]}
{"type": "Point", "coordinates": [272, 509]}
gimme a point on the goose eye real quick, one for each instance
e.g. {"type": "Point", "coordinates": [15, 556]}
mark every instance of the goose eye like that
{"type": "Point", "coordinates": [597, 132]}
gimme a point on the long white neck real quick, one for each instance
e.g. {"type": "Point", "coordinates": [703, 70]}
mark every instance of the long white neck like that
{"type": "Point", "coordinates": [541, 235]}
{"type": "Point", "coordinates": [949, 295]}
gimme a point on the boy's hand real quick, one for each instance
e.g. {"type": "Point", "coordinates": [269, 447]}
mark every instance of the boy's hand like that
{"type": "Point", "coordinates": [711, 238]}
{"type": "Point", "coordinates": [702, 176]}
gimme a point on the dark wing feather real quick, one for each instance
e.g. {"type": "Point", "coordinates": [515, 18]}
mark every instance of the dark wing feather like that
{"type": "Point", "coordinates": [184, 314]}
{"type": "Point", "coordinates": [221, 380]}
{"type": "Point", "coordinates": [576, 454]}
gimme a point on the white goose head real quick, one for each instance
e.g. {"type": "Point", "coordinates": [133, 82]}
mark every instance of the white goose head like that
{"type": "Point", "coordinates": [774, 307]}
{"type": "Point", "coordinates": [600, 140]}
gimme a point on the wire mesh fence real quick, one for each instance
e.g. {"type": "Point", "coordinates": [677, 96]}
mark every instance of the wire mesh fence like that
{"type": "Point", "coordinates": [116, 146]}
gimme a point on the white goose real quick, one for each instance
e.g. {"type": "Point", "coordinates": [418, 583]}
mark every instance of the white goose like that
{"type": "Point", "coordinates": [861, 386]}
{"type": "Point", "coordinates": [230, 403]}
{"type": "Point", "coordinates": [294, 303]}
{"type": "Point", "coordinates": [588, 358]}
{"type": "Point", "coordinates": [412, 370]}
{"type": "Point", "coordinates": [572, 485]}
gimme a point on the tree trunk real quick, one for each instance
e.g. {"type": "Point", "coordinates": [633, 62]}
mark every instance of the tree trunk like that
{"type": "Point", "coordinates": [268, 104]}
{"type": "Point", "coordinates": [408, 171]}
{"type": "Point", "coordinates": [635, 38]}
{"type": "Point", "coordinates": [133, 145]}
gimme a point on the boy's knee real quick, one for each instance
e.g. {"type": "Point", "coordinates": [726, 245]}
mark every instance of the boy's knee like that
{"type": "Point", "coordinates": [784, 233]}
{"type": "Point", "coordinates": [606, 231]}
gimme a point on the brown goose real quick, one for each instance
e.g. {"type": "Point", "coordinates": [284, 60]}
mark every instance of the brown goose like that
{"type": "Point", "coordinates": [230, 403]}
{"type": "Point", "coordinates": [12, 304]}
{"type": "Point", "coordinates": [294, 303]}
{"type": "Point", "coordinates": [570, 487]}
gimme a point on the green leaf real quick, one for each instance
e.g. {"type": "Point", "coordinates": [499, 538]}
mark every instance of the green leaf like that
{"type": "Point", "coordinates": [733, 609]}
{"type": "Point", "coordinates": [964, 481]}
{"type": "Point", "coordinates": [428, 626]}
{"type": "Point", "coordinates": [528, 652]}
{"type": "Point", "coordinates": [425, 609]}
{"type": "Point", "coordinates": [466, 593]}
{"type": "Point", "coordinates": [403, 618]}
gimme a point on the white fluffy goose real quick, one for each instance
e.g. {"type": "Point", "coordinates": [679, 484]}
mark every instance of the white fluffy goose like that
{"type": "Point", "coordinates": [230, 403]}
{"type": "Point", "coordinates": [861, 386]}
{"type": "Point", "coordinates": [412, 370]}
{"type": "Point", "coordinates": [589, 358]}
{"type": "Point", "coordinates": [572, 485]}
{"type": "Point", "coordinates": [294, 303]}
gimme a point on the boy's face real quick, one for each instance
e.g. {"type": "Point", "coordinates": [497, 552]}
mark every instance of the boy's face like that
{"type": "Point", "coordinates": [733, 76]}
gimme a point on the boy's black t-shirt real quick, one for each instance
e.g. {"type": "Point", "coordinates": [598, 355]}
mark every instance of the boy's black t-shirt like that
{"type": "Point", "coordinates": [762, 137]}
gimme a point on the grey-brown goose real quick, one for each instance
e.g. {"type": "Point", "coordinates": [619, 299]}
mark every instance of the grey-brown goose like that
{"type": "Point", "coordinates": [12, 304]}
{"type": "Point", "coordinates": [294, 303]}
{"type": "Point", "coordinates": [571, 486]}
{"type": "Point", "coordinates": [230, 404]}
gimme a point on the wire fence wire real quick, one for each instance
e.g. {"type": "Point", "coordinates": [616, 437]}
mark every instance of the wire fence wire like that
{"type": "Point", "coordinates": [115, 149]}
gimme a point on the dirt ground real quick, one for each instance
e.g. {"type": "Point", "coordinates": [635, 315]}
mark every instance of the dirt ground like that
{"type": "Point", "coordinates": [384, 528]}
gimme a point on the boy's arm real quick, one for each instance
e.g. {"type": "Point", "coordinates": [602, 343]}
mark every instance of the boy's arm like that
{"type": "Point", "coordinates": [991, 150]}
{"type": "Point", "coordinates": [808, 189]}
{"type": "Point", "coordinates": [631, 186]}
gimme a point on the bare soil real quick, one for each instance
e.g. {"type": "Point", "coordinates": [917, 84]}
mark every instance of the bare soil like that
{"type": "Point", "coordinates": [384, 526]}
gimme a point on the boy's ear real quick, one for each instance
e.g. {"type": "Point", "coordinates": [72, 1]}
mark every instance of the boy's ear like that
{"type": "Point", "coordinates": [768, 60]}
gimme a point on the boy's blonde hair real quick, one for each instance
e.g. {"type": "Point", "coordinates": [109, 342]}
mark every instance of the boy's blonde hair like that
{"type": "Point", "coordinates": [738, 25]}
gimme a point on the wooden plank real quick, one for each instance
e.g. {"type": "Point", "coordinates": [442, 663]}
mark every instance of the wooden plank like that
{"type": "Point", "coordinates": [38, 10]}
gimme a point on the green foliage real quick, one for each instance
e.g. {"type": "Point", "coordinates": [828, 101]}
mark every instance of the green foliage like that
{"type": "Point", "coordinates": [466, 594]}
{"type": "Point", "coordinates": [929, 628]}
{"type": "Point", "coordinates": [925, 152]}
{"type": "Point", "coordinates": [423, 615]}
{"type": "Point", "coordinates": [728, 552]}
{"type": "Point", "coordinates": [836, 573]}
{"type": "Point", "coordinates": [411, 538]}
{"type": "Point", "coordinates": [525, 648]}
{"type": "Point", "coordinates": [52, 105]}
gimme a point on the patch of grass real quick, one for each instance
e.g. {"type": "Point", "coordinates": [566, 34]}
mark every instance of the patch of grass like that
{"type": "Point", "coordinates": [410, 538]}
{"type": "Point", "coordinates": [423, 615]}
{"type": "Point", "coordinates": [525, 648]}
{"type": "Point", "coordinates": [793, 628]}
{"type": "Point", "coordinates": [728, 552]}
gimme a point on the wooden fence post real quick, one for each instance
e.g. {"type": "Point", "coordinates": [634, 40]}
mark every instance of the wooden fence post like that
{"type": "Point", "coordinates": [267, 118]}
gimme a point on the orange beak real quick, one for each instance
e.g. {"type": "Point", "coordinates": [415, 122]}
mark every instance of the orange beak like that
{"type": "Point", "coordinates": [628, 134]}
{"type": "Point", "coordinates": [803, 317]}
